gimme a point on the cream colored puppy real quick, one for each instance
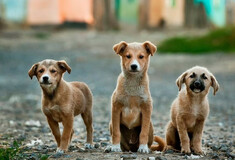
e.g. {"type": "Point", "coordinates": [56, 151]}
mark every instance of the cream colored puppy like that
{"type": "Point", "coordinates": [190, 110]}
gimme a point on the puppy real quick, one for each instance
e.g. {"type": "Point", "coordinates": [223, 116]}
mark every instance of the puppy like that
{"type": "Point", "coordinates": [62, 101]}
{"type": "Point", "coordinates": [190, 110]}
{"type": "Point", "coordinates": [131, 127]}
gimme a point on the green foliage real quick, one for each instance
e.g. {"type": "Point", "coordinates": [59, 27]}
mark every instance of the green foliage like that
{"type": "Point", "coordinates": [11, 152]}
{"type": "Point", "coordinates": [44, 157]}
{"type": "Point", "coordinates": [41, 35]}
{"type": "Point", "coordinates": [14, 152]}
{"type": "Point", "coordinates": [218, 40]}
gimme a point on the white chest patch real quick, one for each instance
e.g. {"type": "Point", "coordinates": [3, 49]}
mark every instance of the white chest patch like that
{"type": "Point", "coordinates": [128, 111]}
{"type": "Point", "coordinates": [131, 116]}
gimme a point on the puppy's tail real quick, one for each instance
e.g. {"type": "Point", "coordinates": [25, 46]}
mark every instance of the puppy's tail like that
{"type": "Point", "coordinates": [161, 144]}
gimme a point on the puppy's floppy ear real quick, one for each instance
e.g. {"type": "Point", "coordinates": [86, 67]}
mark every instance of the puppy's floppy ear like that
{"type": "Point", "coordinates": [64, 66]}
{"type": "Point", "coordinates": [150, 47]}
{"type": "Point", "coordinates": [120, 47]}
{"type": "Point", "coordinates": [181, 79]}
{"type": "Point", "coordinates": [32, 71]}
{"type": "Point", "coordinates": [214, 84]}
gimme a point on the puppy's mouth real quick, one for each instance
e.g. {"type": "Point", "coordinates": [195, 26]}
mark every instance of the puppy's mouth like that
{"type": "Point", "coordinates": [197, 89]}
{"type": "Point", "coordinates": [134, 71]}
{"type": "Point", "coordinates": [46, 83]}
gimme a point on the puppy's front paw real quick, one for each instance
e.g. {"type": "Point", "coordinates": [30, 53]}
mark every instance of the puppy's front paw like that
{"type": "Point", "coordinates": [115, 148]}
{"type": "Point", "coordinates": [185, 150]}
{"type": "Point", "coordinates": [88, 146]}
{"type": "Point", "coordinates": [198, 151]}
{"type": "Point", "coordinates": [59, 151]}
{"type": "Point", "coordinates": [143, 148]}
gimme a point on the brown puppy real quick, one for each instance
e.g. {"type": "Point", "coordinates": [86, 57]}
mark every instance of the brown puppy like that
{"type": "Point", "coordinates": [190, 110]}
{"type": "Point", "coordinates": [62, 101]}
{"type": "Point", "coordinates": [131, 127]}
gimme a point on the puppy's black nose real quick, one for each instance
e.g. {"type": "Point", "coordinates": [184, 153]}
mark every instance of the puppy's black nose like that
{"type": "Point", "coordinates": [197, 84]}
{"type": "Point", "coordinates": [45, 78]}
{"type": "Point", "coordinates": [133, 66]}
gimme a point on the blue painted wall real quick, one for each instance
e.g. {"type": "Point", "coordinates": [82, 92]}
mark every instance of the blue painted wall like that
{"type": "Point", "coordinates": [13, 10]}
{"type": "Point", "coordinates": [215, 10]}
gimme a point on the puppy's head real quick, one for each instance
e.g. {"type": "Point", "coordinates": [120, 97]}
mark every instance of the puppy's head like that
{"type": "Point", "coordinates": [198, 80]}
{"type": "Point", "coordinates": [134, 56]}
{"type": "Point", "coordinates": [49, 72]}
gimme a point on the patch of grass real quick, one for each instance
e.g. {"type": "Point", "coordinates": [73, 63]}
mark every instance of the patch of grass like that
{"type": "Point", "coordinates": [218, 40]}
{"type": "Point", "coordinates": [42, 35]}
{"type": "Point", "coordinates": [12, 152]}
{"type": "Point", "coordinates": [15, 152]}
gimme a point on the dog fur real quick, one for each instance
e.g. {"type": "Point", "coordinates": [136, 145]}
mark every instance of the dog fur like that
{"type": "Point", "coordinates": [131, 127]}
{"type": "Point", "coordinates": [62, 101]}
{"type": "Point", "coordinates": [190, 110]}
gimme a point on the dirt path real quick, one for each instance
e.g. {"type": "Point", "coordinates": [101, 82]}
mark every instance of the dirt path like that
{"type": "Point", "coordinates": [92, 60]}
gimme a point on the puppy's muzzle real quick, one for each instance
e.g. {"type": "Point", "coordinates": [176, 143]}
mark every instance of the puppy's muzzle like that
{"type": "Point", "coordinates": [134, 67]}
{"type": "Point", "coordinates": [197, 86]}
{"type": "Point", "coordinates": [45, 80]}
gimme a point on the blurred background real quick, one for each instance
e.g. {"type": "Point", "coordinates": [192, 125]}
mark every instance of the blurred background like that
{"type": "Point", "coordinates": [118, 14]}
{"type": "Point", "coordinates": [83, 32]}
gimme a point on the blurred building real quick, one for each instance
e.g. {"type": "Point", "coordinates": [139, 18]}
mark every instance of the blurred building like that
{"type": "Point", "coordinates": [105, 14]}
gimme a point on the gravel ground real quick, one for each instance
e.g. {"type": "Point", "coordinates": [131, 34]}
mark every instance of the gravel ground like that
{"type": "Point", "coordinates": [92, 60]}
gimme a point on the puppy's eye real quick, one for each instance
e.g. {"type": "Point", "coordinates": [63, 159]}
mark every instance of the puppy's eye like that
{"type": "Point", "coordinates": [41, 71]}
{"type": "Point", "coordinates": [128, 56]}
{"type": "Point", "coordinates": [53, 71]}
{"type": "Point", "coordinates": [141, 57]}
{"type": "Point", "coordinates": [192, 75]}
{"type": "Point", "coordinates": [204, 76]}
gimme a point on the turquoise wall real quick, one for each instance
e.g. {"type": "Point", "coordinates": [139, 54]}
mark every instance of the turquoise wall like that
{"type": "Point", "coordinates": [215, 10]}
{"type": "Point", "coordinates": [13, 10]}
{"type": "Point", "coordinates": [128, 11]}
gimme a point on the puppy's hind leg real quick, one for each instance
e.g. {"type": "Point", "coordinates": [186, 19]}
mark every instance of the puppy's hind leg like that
{"type": "Point", "coordinates": [71, 135]}
{"type": "Point", "coordinates": [172, 137]}
{"type": "Point", "coordinates": [87, 118]}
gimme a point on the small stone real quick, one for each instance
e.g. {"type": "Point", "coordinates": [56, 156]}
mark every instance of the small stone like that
{"type": "Point", "coordinates": [97, 145]}
{"type": "Point", "coordinates": [203, 141]}
{"type": "Point", "coordinates": [160, 158]}
{"type": "Point", "coordinates": [151, 158]}
{"type": "Point", "coordinates": [33, 156]}
{"type": "Point", "coordinates": [215, 155]}
{"type": "Point", "coordinates": [75, 141]}
{"type": "Point", "coordinates": [57, 155]}
{"type": "Point", "coordinates": [103, 139]}
{"type": "Point", "coordinates": [44, 130]}
{"type": "Point", "coordinates": [67, 156]}
{"type": "Point", "coordinates": [104, 144]}
{"type": "Point", "coordinates": [223, 149]}
{"type": "Point", "coordinates": [215, 148]}
{"type": "Point", "coordinates": [169, 151]}
{"type": "Point", "coordinates": [45, 151]}
{"type": "Point", "coordinates": [96, 140]}
{"type": "Point", "coordinates": [128, 156]}
{"type": "Point", "coordinates": [82, 150]}
{"type": "Point", "coordinates": [107, 149]}
{"type": "Point", "coordinates": [72, 148]}
{"type": "Point", "coordinates": [232, 155]}
{"type": "Point", "coordinates": [53, 146]}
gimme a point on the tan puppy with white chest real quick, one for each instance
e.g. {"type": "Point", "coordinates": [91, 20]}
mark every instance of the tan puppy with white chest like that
{"type": "Point", "coordinates": [190, 110]}
{"type": "Point", "coordinates": [131, 127]}
{"type": "Point", "coordinates": [62, 101]}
